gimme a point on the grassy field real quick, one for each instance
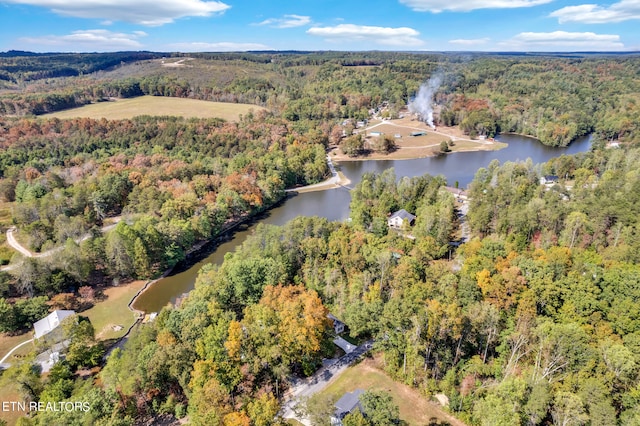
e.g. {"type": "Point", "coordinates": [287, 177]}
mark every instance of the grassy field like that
{"type": "Point", "coordinates": [113, 311]}
{"type": "Point", "coordinates": [414, 408]}
{"type": "Point", "coordinates": [8, 342]}
{"type": "Point", "coordinates": [409, 147]}
{"type": "Point", "coordinates": [158, 105]}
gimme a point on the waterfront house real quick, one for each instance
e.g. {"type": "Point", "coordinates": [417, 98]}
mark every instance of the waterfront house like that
{"type": "Point", "coordinates": [549, 180]}
{"type": "Point", "coordinates": [49, 326]}
{"type": "Point", "coordinates": [400, 218]}
{"type": "Point", "coordinates": [460, 194]}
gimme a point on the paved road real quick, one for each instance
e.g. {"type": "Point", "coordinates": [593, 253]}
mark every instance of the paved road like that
{"type": "Point", "coordinates": [464, 225]}
{"type": "Point", "coordinates": [308, 387]}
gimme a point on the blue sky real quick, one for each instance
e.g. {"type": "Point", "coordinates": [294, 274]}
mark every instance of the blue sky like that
{"type": "Point", "coordinates": [236, 25]}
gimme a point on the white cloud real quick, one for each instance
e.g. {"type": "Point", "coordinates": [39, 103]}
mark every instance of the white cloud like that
{"type": "Point", "coordinates": [223, 46]}
{"type": "Point", "coordinates": [89, 40]}
{"type": "Point", "coordinates": [402, 36]}
{"type": "Point", "coordinates": [470, 42]}
{"type": "Point", "coordinates": [144, 12]}
{"type": "Point", "coordinates": [287, 21]}
{"type": "Point", "coordinates": [564, 41]}
{"type": "Point", "coordinates": [437, 6]}
{"type": "Point", "coordinates": [594, 14]}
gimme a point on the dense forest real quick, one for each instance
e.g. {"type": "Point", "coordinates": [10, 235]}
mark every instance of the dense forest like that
{"type": "Point", "coordinates": [554, 99]}
{"type": "Point", "coordinates": [533, 324]}
{"type": "Point", "coordinates": [532, 321]}
{"type": "Point", "coordinates": [174, 182]}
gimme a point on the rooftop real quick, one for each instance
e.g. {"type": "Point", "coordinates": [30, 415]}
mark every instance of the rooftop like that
{"type": "Point", "coordinates": [51, 321]}
{"type": "Point", "coordinates": [348, 403]}
{"type": "Point", "coordinates": [403, 214]}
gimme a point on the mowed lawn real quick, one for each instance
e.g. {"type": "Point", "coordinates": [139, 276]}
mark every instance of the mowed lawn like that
{"type": "Point", "coordinates": [158, 105]}
{"type": "Point", "coordinates": [414, 408]}
{"type": "Point", "coordinates": [9, 342]}
{"type": "Point", "coordinates": [113, 311]}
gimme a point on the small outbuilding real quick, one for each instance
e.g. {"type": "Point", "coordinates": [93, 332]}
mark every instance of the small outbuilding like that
{"type": "Point", "coordinates": [400, 219]}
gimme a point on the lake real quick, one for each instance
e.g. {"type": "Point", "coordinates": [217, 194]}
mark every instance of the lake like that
{"type": "Point", "coordinates": [334, 204]}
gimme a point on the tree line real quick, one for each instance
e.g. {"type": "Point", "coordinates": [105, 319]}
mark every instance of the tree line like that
{"type": "Point", "coordinates": [522, 326]}
{"type": "Point", "coordinates": [174, 182]}
{"type": "Point", "coordinates": [554, 99]}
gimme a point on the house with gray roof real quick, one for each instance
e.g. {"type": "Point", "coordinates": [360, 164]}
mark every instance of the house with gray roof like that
{"type": "Point", "coordinates": [400, 218]}
{"type": "Point", "coordinates": [349, 402]}
{"type": "Point", "coordinates": [338, 326]}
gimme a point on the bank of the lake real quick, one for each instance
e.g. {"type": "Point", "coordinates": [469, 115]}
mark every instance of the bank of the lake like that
{"type": "Point", "coordinates": [333, 204]}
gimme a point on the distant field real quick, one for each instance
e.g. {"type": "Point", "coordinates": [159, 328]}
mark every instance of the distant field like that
{"type": "Point", "coordinates": [158, 105]}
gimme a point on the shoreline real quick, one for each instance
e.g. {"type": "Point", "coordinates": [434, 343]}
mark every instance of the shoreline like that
{"type": "Point", "coordinates": [334, 182]}
{"type": "Point", "coordinates": [337, 180]}
{"type": "Point", "coordinates": [427, 151]}
{"type": "Point", "coordinates": [196, 248]}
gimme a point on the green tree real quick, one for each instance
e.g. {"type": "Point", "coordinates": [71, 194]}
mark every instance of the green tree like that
{"type": "Point", "coordinates": [379, 408]}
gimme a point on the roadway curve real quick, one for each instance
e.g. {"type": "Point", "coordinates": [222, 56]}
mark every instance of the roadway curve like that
{"type": "Point", "coordinates": [4, 358]}
{"type": "Point", "coordinates": [11, 240]}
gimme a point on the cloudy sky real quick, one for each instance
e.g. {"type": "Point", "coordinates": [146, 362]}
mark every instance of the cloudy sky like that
{"type": "Point", "coordinates": [236, 25]}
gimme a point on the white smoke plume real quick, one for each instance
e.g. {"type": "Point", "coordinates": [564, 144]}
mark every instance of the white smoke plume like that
{"type": "Point", "coordinates": [422, 104]}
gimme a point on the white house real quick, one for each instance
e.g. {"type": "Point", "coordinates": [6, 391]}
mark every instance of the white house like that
{"type": "Point", "coordinates": [399, 218]}
{"type": "Point", "coordinates": [52, 321]}
{"type": "Point", "coordinates": [549, 180]}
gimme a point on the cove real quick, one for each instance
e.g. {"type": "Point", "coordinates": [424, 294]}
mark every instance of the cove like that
{"type": "Point", "coordinates": [334, 204]}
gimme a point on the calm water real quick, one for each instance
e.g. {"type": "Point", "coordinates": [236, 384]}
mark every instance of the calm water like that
{"type": "Point", "coordinates": [334, 204]}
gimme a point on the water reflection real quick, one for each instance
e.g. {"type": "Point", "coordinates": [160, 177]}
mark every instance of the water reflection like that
{"type": "Point", "coordinates": [334, 204]}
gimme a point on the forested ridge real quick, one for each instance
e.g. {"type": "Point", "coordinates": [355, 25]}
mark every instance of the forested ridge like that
{"type": "Point", "coordinates": [554, 99]}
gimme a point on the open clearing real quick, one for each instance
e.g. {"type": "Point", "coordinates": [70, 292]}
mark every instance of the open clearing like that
{"type": "Point", "coordinates": [8, 342]}
{"type": "Point", "coordinates": [414, 408]}
{"type": "Point", "coordinates": [159, 106]}
{"type": "Point", "coordinates": [409, 147]}
{"type": "Point", "coordinates": [114, 311]}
